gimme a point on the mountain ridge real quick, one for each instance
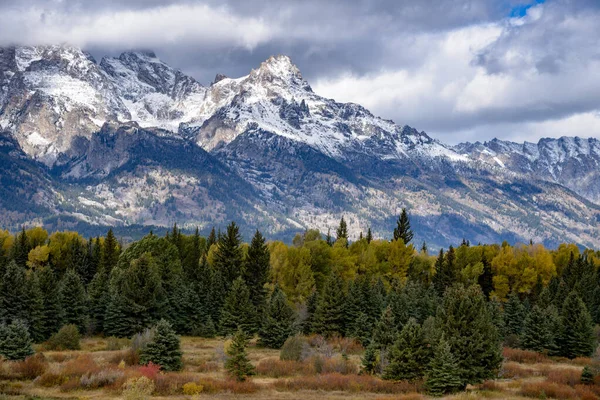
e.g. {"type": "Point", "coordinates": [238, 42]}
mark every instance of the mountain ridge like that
{"type": "Point", "coordinates": [154, 146]}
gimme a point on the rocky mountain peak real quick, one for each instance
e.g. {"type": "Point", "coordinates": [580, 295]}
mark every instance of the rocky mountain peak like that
{"type": "Point", "coordinates": [279, 70]}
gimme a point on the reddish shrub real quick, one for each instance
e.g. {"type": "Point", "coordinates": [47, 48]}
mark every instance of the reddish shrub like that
{"type": "Point", "coordinates": [586, 393]}
{"type": "Point", "coordinates": [524, 356]}
{"type": "Point", "coordinates": [492, 386]}
{"type": "Point", "coordinates": [82, 365]}
{"type": "Point", "coordinates": [210, 385]}
{"type": "Point", "coordinates": [150, 371]}
{"type": "Point", "coordinates": [50, 379]}
{"type": "Point", "coordinates": [583, 361]}
{"type": "Point", "coordinates": [349, 383]}
{"type": "Point", "coordinates": [171, 383]}
{"type": "Point", "coordinates": [548, 389]}
{"type": "Point", "coordinates": [514, 370]}
{"type": "Point", "coordinates": [31, 367]}
{"type": "Point", "coordinates": [340, 366]}
{"type": "Point", "coordinates": [70, 385]}
{"type": "Point", "coordinates": [569, 377]}
{"type": "Point", "coordinates": [275, 368]}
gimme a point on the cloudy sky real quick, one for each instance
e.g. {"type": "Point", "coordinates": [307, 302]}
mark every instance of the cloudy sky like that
{"type": "Point", "coordinates": [458, 69]}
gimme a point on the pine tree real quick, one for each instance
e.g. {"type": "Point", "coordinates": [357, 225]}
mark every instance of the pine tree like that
{"type": "Point", "coordinates": [587, 376]}
{"type": "Point", "coordinates": [237, 311]}
{"type": "Point", "coordinates": [192, 256]}
{"type": "Point", "coordinates": [311, 308]}
{"type": "Point", "coordinates": [329, 316]}
{"type": "Point", "coordinates": [465, 321]}
{"type": "Point", "coordinates": [74, 301]}
{"type": "Point", "coordinates": [238, 365]}
{"type": "Point", "coordinates": [361, 329]}
{"type": "Point", "coordinates": [577, 333]}
{"type": "Point", "coordinates": [342, 231]}
{"type": "Point", "coordinates": [369, 359]}
{"type": "Point", "coordinates": [538, 331]}
{"type": "Point", "coordinates": [514, 315]}
{"type": "Point", "coordinates": [35, 309]}
{"type": "Point", "coordinates": [52, 312]}
{"type": "Point", "coordinates": [444, 375]}
{"type": "Point", "coordinates": [441, 280]}
{"type": "Point", "coordinates": [410, 354]}
{"type": "Point", "coordinates": [280, 321]}
{"type": "Point", "coordinates": [256, 275]}
{"type": "Point", "coordinates": [13, 296]}
{"type": "Point", "coordinates": [15, 342]}
{"type": "Point", "coordinates": [369, 235]}
{"type": "Point", "coordinates": [21, 248]}
{"type": "Point", "coordinates": [164, 349]}
{"type": "Point", "coordinates": [212, 239]}
{"type": "Point", "coordinates": [228, 257]}
{"type": "Point", "coordinates": [328, 238]}
{"type": "Point", "coordinates": [402, 230]}
{"type": "Point", "coordinates": [137, 298]}
{"type": "Point", "coordinates": [486, 279]}
{"type": "Point", "coordinates": [385, 330]}
{"type": "Point", "coordinates": [99, 295]}
{"type": "Point", "coordinates": [110, 253]}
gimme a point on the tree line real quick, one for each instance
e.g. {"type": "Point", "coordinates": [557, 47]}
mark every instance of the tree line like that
{"type": "Point", "coordinates": [413, 311]}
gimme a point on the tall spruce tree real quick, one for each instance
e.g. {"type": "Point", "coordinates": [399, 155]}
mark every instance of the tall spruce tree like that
{"type": "Point", "coordinates": [577, 333]}
{"type": "Point", "coordinates": [329, 316]}
{"type": "Point", "coordinates": [164, 349]}
{"type": "Point", "coordinates": [52, 312]}
{"type": "Point", "coordinates": [110, 252]}
{"type": "Point", "coordinates": [256, 275]}
{"type": "Point", "coordinates": [465, 322]}
{"type": "Point", "coordinates": [443, 375]}
{"type": "Point", "coordinates": [342, 230]}
{"type": "Point", "coordinates": [409, 355]}
{"type": "Point", "coordinates": [74, 300]}
{"type": "Point", "coordinates": [402, 229]}
{"type": "Point", "coordinates": [13, 294]}
{"type": "Point", "coordinates": [21, 248]}
{"type": "Point", "coordinates": [228, 258]}
{"type": "Point", "coordinates": [212, 239]}
{"type": "Point", "coordinates": [35, 309]}
{"type": "Point", "coordinates": [514, 315]}
{"type": "Point", "coordinates": [192, 255]}
{"type": "Point", "coordinates": [369, 235]}
{"type": "Point", "coordinates": [539, 330]}
{"type": "Point", "coordinates": [486, 279]}
{"type": "Point", "coordinates": [280, 321]}
{"type": "Point", "coordinates": [237, 311]}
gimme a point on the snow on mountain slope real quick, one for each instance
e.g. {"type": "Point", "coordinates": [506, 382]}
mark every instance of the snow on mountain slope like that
{"type": "Point", "coordinates": [279, 100]}
{"type": "Point", "coordinates": [54, 94]}
{"type": "Point", "coordinates": [570, 161]}
{"type": "Point", "coordinates": [155, 94]}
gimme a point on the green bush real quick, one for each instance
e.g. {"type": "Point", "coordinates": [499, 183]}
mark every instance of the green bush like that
{"type": "Point", "coordinates": [293, 349]}
{"type": "Point", "coordinates": [67, 338]}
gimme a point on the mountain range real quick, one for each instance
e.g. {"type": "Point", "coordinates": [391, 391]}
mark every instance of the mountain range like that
{"type": "Point", "coordinates": [133, 143]}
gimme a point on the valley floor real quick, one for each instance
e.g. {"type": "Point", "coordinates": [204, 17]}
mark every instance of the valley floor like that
{"type": "Point", "coordinates": [524, 375]}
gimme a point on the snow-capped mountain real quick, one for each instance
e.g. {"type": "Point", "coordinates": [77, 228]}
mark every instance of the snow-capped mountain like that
{"type": "Point", "coordinates": [570, 161]}
{"type": "Point", "coordinates": [131, 141]}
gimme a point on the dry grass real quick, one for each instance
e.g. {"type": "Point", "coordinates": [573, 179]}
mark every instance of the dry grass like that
{"type": "Point", "coordinates": [348, 383]}
{"type": "Point", "coordinates": [329, 372]}
{"type": "Point", "coordinates": [524, 356]}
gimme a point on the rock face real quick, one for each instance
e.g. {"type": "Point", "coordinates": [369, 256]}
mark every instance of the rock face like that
{"type": "Point", "coordinates": [131, 141]}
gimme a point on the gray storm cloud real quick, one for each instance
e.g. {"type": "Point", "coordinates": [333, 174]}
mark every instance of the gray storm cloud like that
{"type": "Point", "coordinates": [461, 70]}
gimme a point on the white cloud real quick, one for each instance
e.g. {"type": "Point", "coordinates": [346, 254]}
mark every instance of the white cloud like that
{"type": "Point", "coordinates": [514, 91]}
{"type": "Point", "coordinates": [191, 24]}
